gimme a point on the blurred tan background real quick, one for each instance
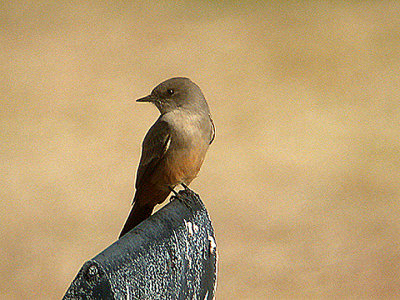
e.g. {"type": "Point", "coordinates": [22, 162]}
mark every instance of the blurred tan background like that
{"type": "Point", "coordinates": [302, 182]}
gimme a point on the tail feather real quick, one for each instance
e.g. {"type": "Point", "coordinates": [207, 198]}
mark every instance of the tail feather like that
{"type": "Point", "coordinates": [137, 215]}
{"type": "Point", "coordinates": [144, 202]}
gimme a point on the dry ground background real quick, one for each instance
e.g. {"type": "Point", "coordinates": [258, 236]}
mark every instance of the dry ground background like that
{"type": "Point", "coordinates": [302, 182]}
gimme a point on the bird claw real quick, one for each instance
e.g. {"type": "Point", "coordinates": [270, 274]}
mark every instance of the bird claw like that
{"type": "Point", "coordinates": [175, 194]}
{"type": "Point", "coordinates": [181, 197]}
{"type": "Point", "coordinates": [185, 186]}
{"type": "Point", "coordinates": [173, 191]}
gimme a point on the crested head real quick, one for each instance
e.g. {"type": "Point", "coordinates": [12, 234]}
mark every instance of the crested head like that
{"type": "Point", "coordinates": [177, 93]}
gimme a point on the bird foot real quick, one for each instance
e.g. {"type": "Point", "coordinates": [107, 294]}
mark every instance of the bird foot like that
{"type": "Point", "coordinates": [185, 186]}
{"type": "Point", "coordinates": [175, 194]}
{"type": "Point", "coordinates": [181, 197]}
{"type": "Point", "coordinates": [173, 191]}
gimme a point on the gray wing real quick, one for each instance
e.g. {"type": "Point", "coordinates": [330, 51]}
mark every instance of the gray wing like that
{"type": "Point", "coordinates": [155, 145]}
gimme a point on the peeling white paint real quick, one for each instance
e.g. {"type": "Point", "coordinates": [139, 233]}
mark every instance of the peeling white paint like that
{"type": "Point", "coordinates": [213, 244]}
{"type": "Point", "coordinates": [189, 227]}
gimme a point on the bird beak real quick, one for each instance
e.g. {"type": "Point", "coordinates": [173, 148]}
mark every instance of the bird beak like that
{"type": "Point", "coordinates": [148, 98]}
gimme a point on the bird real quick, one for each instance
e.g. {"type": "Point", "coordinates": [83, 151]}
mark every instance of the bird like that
{"type": "Point", "coordinates": [174, 148]}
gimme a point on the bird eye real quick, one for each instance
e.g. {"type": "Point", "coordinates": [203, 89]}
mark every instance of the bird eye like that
{"type": "Point", "coordinates": [170, 91]}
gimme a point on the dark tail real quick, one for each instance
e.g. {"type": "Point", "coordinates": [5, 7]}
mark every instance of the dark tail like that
{"type": "Point", "coordinates": [136, 216]}
{"type": "Point", "coordinates": [144, 202]}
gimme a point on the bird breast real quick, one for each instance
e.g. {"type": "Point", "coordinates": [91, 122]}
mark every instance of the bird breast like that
{"type": "Point", "coordinates": [187, 148]}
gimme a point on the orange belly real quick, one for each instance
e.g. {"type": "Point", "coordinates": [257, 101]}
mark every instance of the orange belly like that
{"type": "Point", "coordinates": [182, 166]}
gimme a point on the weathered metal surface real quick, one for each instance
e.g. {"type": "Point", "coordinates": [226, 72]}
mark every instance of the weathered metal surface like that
{"type": "Point", "coordinates": [171, 255]}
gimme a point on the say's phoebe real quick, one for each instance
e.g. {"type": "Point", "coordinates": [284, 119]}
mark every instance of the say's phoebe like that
{"type": "Point", "coordinates": [174, 148]}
